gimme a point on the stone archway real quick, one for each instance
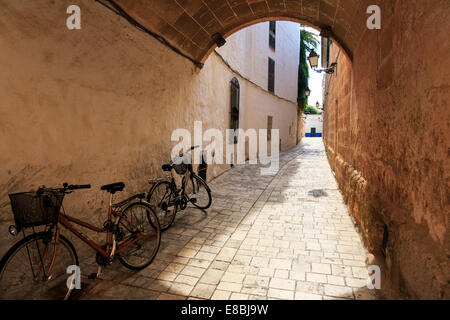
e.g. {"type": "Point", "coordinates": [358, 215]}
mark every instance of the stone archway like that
{"type": "Point", "coordinates": [193, 26]}
{"type": "Point", "coordinates": [384, 71]}
{"type": "Point", "coordinates": [387, 112]}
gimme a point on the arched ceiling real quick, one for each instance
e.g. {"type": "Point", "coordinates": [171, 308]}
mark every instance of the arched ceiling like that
{"type": "Point", "coordinates": [191, 25]}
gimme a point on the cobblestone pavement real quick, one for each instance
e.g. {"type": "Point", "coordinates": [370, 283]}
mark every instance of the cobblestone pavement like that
{"type": "Point", "coordinates": [287, 236]}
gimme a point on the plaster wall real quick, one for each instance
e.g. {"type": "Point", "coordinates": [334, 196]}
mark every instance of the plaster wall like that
{"type": "Point", "coordinates": [313, 121]}
{"type": "Point", "coordinates": [98, 105]}
{"type": "Point", "coordinates": [248, 50]}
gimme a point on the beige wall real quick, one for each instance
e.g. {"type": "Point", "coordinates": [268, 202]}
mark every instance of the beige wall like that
{"type": "Point", "coordinates": [387, 136]}
{"type": "Point", "coordinates": [98, 105]}
{"type": "Point", "coordinates": [247, 51]}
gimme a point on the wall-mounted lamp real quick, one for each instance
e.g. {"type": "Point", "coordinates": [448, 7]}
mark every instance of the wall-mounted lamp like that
{"type": "Point", "coordinates": [313, 59]}
{"type": "Point", "coordinates": [220, 41]}
{"type": "Point", "coordinates": [329, 70]}
{"type": "Point", "coordinates": [314, 63]}
{"type": "Point", "coordinates": [307, 92]}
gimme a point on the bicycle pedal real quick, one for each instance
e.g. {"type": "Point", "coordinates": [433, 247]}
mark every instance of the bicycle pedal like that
{"type": "Point", "coordinates": [92, 276]}
{"type": "Point", "coordinates": [193, 200]}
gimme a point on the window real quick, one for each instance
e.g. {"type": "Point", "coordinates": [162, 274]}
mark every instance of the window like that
{"type": "Point", "coordinates": [271, 84]}
{"type": "Point", "coordinates": [329, 42]}
{"type": "Point", "coordinates": [326, 44]}
{"type": "Point", "coordinates": [269, 128]}
{"type": "Point", "coordinates": [234, 108]}
{"type": "Point", "coordinates": [272, 33]}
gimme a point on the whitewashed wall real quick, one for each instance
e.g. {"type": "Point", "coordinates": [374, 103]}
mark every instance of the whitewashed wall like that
{"type": "Point", "coordinates": [247, 51]}
{"type": "Point", "coordinates": [313, 121]}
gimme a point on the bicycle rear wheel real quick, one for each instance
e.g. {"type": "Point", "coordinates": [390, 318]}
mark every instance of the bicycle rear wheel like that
{"type": "Point", "coordinates": [138, 220]}
{"type": "Point", "coordinates": [23, 269]}
{"type": "Point", "coordinates": [161, 197]}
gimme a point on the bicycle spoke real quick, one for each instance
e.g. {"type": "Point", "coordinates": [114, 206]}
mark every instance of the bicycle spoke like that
{"type": "Point", "coordinates": [17, 280]}
{"type": "Point", "coordinates": [198, 193]}
{"type": "Point", "coordinates": [162, 198]}
{"type": "Point", "coordinates": [142, 251]}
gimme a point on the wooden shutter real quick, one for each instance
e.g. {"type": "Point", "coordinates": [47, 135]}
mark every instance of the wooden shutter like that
{"type": "Point", "coordinates": [272, 33]}
{"type": "Point", "coordinates": [271, 84]}
{"type": "Point", "coordinates": [269, 127]}
{"type": "Point", "coordinates": [234, 106]}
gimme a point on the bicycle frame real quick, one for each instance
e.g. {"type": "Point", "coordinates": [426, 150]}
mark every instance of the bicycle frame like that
{"type": "Point", "coordinates": [185, 179]}
{"type": "Point", "coordinates": [110, 250]}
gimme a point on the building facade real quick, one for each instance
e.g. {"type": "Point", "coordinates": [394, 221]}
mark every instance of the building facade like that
{"type": "Point", "coordinates": [265, 58]}
{"type": "Point", "coordinates": [313, 125]}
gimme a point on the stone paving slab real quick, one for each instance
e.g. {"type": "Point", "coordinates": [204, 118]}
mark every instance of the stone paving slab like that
{"type": "Point", "coordinates": [287, 236]}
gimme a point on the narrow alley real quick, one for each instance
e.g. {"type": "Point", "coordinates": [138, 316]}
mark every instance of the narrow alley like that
{"type": "Point", "coordinates": [288, 236]}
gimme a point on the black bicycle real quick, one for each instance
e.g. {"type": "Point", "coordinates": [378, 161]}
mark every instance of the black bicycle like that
{"type": "Point", "coordinates": [166, 198]}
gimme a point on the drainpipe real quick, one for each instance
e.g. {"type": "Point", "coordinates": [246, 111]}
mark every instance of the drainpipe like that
{"type": "Point", "coordinates": [299, 113]}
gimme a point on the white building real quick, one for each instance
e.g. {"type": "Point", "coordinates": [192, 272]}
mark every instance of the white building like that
{"type": "Point", "coordinates": [313, 125]}
{"type": "Point", "coordinates": [266, 56]}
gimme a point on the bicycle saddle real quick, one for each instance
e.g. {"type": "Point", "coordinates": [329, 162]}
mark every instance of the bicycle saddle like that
{"type": "Point", "coordinates": [167, 167]}
{"type": "Point", "coordinates": [113, 187]}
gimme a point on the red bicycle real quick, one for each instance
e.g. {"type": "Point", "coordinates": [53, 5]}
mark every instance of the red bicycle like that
{"type": "Point", "coordinates": [36, 267]}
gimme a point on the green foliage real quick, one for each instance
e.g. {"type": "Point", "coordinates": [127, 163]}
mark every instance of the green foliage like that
{"type": "Point", "coordinates": [307, 42]}
{"type": "Point", "coordinates": [311, 110]}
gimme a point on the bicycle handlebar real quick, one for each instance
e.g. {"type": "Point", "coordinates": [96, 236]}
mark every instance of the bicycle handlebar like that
{"type": "Point", "coordinates": [65, 188]}
{"type": "Point", "coordinates": [78, 186]}
{"type": "Point", "coordinates": [190, 149]}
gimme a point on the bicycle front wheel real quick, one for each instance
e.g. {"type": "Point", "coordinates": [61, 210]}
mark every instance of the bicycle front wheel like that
{"type": "Point", "coordinates": [198, 192]}
{"type": "Point", "coordinates": [162, 198]}
{"type": "Point", "coordinates": [24, 269]}
{"type": "Point", "coordinates": [141, 236]}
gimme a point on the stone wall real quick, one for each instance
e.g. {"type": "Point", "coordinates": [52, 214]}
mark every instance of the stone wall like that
{"type": "Point", "coordinates": [300, 126]}
{"type": "Point", "coordinates": [386, 127]}
{"type": "Point", "coordinates": [98, 105]}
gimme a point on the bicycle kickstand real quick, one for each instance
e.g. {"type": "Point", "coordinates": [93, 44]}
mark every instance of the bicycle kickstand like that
{"type": "Point", "coordinates": [96, 275]}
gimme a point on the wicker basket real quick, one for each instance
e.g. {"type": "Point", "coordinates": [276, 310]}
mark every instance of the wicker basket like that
{"type": "Point", "coordinates": [31, 209]}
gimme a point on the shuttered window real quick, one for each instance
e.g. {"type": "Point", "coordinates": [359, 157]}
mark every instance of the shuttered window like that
{"type": "Point", "coordinates": [269, 128]}
{"type": "Point", "coordinates": [234, 107]}
{"type": "Point", "coordinates": [271, 84]}
{"type": "Point", "coordinates": [272, 33]}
